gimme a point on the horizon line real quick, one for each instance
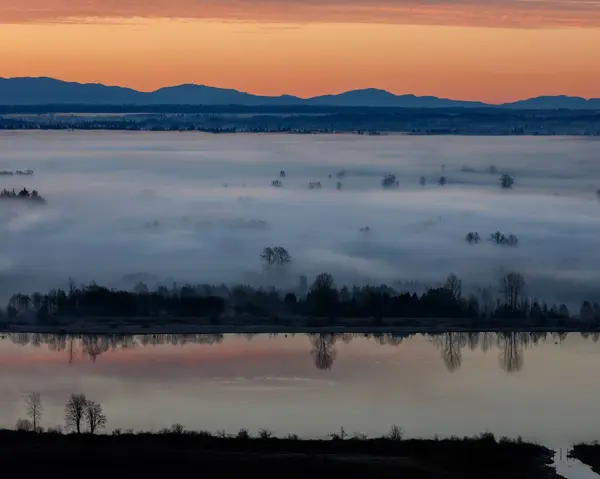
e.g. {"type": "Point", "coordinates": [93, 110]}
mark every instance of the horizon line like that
{"type": "Point", "coordinates": [336, 93]}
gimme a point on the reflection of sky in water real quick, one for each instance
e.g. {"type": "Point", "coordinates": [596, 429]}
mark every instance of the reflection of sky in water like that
{"type": "Point", "coordinates": [541, 387]}
{"type": "Point", "coordinates": [104, 189]}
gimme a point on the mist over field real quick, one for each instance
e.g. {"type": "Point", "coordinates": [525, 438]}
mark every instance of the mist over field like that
{"type": "Point", "coordinates": [189, 207]}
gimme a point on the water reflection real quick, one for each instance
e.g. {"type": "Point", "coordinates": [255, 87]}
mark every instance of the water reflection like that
{"type": "Point", "coordinates": [511, 346]}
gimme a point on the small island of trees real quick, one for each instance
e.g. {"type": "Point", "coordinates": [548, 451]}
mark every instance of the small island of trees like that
{"type": "Point", "coordinates": [24, 194]}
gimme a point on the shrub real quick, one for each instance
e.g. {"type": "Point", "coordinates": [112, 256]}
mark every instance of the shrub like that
{"type": "Point", "coordinates": [396, 433]}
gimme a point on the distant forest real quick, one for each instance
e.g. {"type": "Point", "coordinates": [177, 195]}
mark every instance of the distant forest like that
{"type": "Point", "coordinates": [301, 119]}
{"type": "Point", "coordinates": [320, 303]}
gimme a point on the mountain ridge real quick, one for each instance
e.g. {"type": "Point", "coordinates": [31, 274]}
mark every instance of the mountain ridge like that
{"type": "Point", "coordinates": [27, 91]}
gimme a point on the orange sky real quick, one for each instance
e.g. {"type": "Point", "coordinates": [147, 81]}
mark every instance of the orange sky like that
{"type": "Point", "coordinates": [492, 50]}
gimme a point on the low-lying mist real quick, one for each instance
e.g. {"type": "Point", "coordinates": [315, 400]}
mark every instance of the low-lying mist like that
{"type": "Point", "coordinates": [188, 207]}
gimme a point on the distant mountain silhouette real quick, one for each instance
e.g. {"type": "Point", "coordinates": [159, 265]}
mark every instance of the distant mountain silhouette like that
{"type": "Point", "coordinates": [45, 91]}
{"type": "Point", "coordinates": [556, 102]}
{"type": "Point", "coordinates": [383, 98]}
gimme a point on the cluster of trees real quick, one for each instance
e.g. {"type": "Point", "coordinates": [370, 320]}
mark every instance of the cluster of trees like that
{"type": "Point", "coordinates": [321, 300]}
{"type": "Point", "coordinates": [390, 181]}
{"type": "Point", "coordinates": [24, 194]}
{"type": "Point", "coordinates": [472, 237]}
{"type": "Point", "coordinates": [276, 255]}
{"type": "Point", "coordinates": [80, 412]}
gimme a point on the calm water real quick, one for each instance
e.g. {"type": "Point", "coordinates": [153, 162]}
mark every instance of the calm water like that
{"type": "Point", "coordinates": [542, 387]}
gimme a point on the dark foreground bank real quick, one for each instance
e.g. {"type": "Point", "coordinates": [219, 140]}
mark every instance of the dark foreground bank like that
{"type": "Point", "coordinates": [209, 456]}
{"type": "Point", "coordinates": [588, 454]}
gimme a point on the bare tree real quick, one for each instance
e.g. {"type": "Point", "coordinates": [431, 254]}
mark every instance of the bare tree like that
{"type": "Point", "coordinates": [24, 425]}
{"type": "Point", "coordinates": [276, 255]}
{"type": "Point", "coordinates": [512, 285]}
{"type": "Point", "coordinates": [454, 286]}
{"type": "Point", "coordinates": [75, 411]}
{"type": "Point", "coordinates": [323, 282]}
{"type": "Point", "coordinates": [282, 256]}
{"type": "Point", "coordinates": [34, 408]}
{"type": "Point", "coordinates": [94, 416]}
{"type": "Point", "coordinates": [268, 255]}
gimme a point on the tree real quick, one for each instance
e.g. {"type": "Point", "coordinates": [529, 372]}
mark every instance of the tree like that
{"type": "Point", "coordinates": [454, 285]}
{"type": "Point", "coordinates": [34, 409]}
{"type": "Point", "coordinates": [268, 255]}
{"type": "Point", "coordinates": [324, 294]}
{"type": "Point", "coordinates": [282, 256]}
{"type": "Point", "coordinates": [586, 312]}
{"type": "Point", "coordinates": [389, 181]}
{"type": "Point", "coordinates": [94, 416]}
{"type": "Point", "coordinates": [506, 181]}
{"type": "Point", "coordinates": [512, 285]}
{"type": "Point", "coordinates": [24, 425]}
{"type": "Point", "coordinates": [473, 237]}
{"type": "Point", "coordinates": [276, 255]}
{"type": "Point", "coordinates": [75, 411]}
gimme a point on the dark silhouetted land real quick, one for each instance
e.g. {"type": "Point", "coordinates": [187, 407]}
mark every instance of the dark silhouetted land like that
{"type": "Point", "coordinates": [302, 119]}
{"type": "Point", "coordinates": [181, 454]}
{"type": "Point", "coordinates": [588, 454]}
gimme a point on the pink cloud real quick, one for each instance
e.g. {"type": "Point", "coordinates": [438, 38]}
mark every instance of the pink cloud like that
{"type": "Point", "coordinates": [495, 13]}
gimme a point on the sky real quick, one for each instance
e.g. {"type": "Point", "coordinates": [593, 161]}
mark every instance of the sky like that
{"type": "Point", "coordinates": [490, 50]}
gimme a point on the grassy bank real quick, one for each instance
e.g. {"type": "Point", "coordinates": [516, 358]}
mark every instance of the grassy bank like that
{"type": "Point", "coordinates": [588, 454]}
{"type": "Point", "coordinates": [179, 452]}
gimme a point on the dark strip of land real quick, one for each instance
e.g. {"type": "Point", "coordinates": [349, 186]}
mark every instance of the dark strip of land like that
{"type": "Point", "coordinates": [588, 454]}
{"type": "Point", "coordinates": [203, 325]}
{"type": "Point", "coordinates": [204, 455]}
{"type": "Point", "coordinates": [260, 119]}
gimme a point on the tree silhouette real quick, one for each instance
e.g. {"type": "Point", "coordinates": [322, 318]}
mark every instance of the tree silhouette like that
{"type": "Point", "coordinates": [389, 181]}
{"type": "Point", "coordinates": [454, 285]}
{"type": "Point", "coordinates": [35, 408]}
{"type": "Point", "coordinates": [506, 181]}
{"type": "Point", "coordinates": [94, 416]}
{"type": "Point", "coordinates": [75, 411]}
{"type": "Point", "coordinates": [24, 425]}
{"type": "Point", "coordinates": [512, 285]}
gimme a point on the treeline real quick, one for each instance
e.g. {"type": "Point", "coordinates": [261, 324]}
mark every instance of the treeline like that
{"type": "Point", "coordinates": [322, 299]}
{"type": "Point", "coordinates": [24, 194]}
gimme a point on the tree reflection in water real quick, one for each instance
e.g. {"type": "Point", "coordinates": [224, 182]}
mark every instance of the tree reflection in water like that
{"type": "Point", "coordinates": [322, 350]}
{"type": "Point", "coordinates": [511, 345]}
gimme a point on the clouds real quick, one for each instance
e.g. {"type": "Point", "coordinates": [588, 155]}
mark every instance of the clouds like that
{"type": "Point", "coordinates": [495, 13]}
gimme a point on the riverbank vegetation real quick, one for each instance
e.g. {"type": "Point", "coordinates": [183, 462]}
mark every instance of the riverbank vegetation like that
{"type": "Point", "coordinates": [339, 455]}
{"type": "Point", "coordinates": [320, 304]}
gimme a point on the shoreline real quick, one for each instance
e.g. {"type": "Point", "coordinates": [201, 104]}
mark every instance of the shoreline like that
{"type": "Point", "coordinates": [180, 451]}
{"type": "Point", "coordinates": [186, 328]}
